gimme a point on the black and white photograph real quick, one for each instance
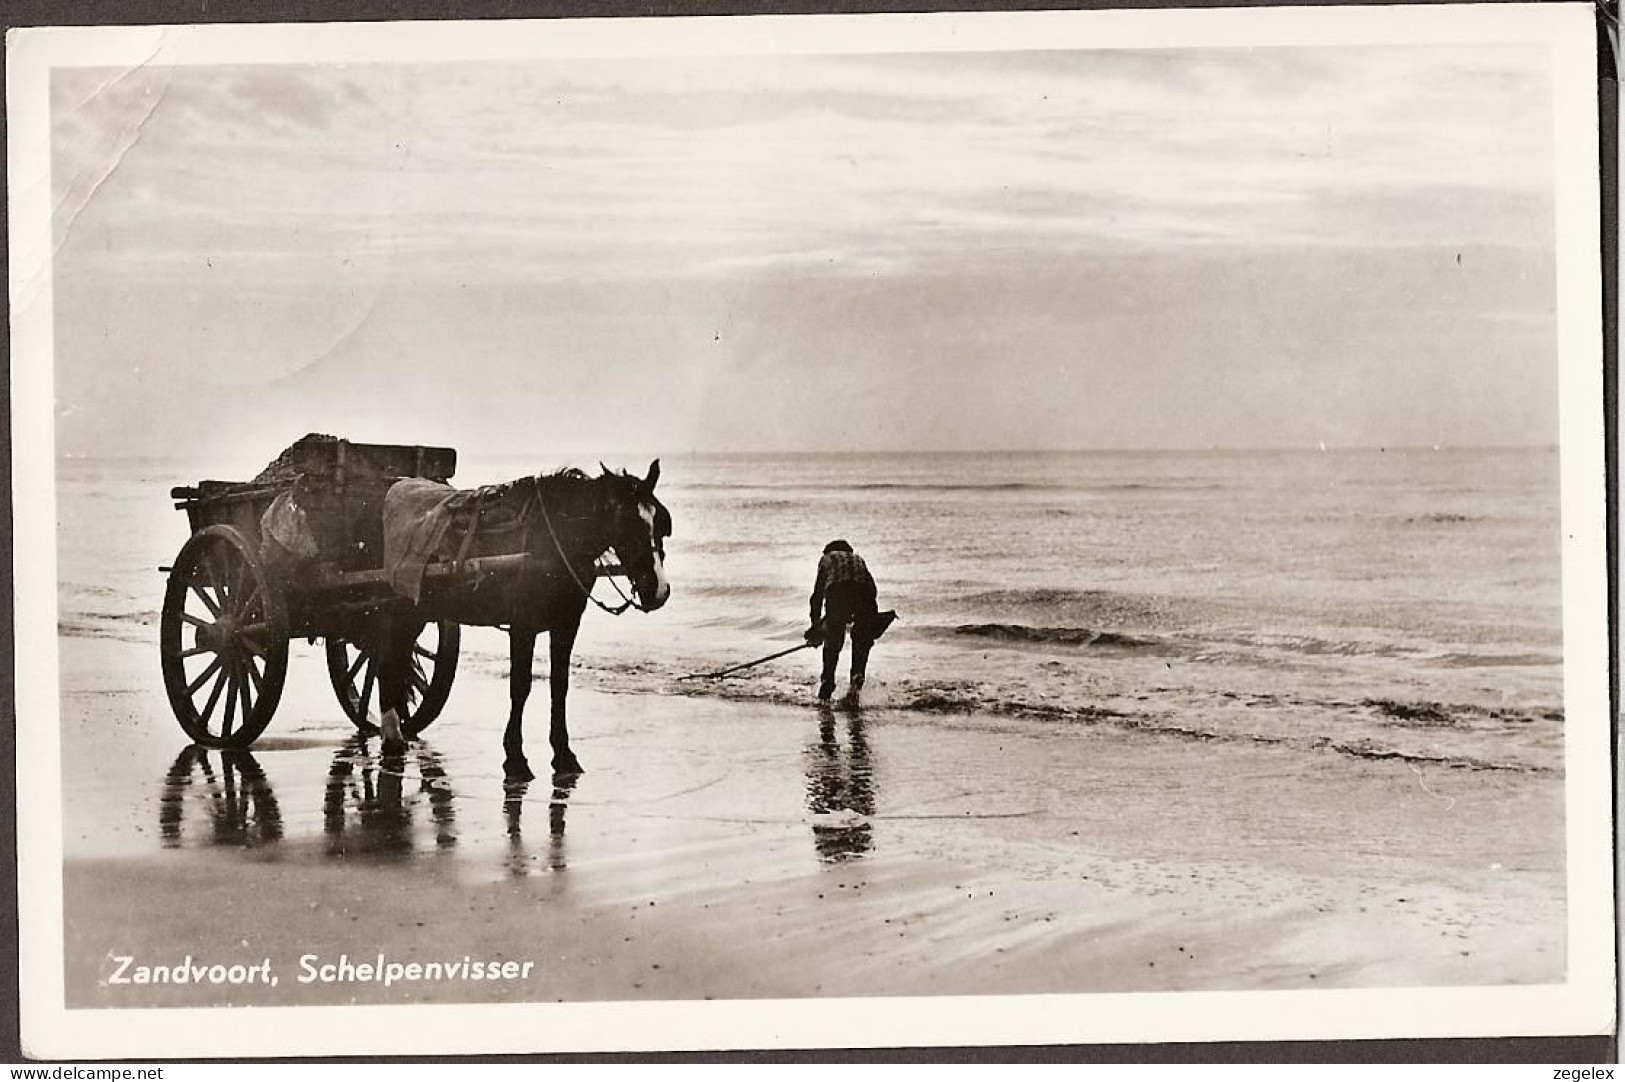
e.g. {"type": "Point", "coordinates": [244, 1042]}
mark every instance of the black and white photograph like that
{"type": "Point", "coordinates": [810, 531]}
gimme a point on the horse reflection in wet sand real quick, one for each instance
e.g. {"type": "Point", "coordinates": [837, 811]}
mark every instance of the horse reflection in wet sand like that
{"type": "Point", "coordinates": [567, 521]}
{"type": "Point", "coordinates": [520, 862]}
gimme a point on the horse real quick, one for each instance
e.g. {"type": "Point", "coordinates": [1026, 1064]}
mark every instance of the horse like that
{"type": "Point", "coordinates": [563, 523]}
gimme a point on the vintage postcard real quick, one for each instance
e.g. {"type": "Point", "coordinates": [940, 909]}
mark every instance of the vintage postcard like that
{"type": "Point", "coordinates": [809, 531]}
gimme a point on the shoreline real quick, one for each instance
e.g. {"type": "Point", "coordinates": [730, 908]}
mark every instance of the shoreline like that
{"type": "Point", "coordinates": [728, 849]}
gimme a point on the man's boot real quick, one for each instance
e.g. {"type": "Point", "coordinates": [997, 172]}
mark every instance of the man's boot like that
{"type": "Point", "coordinates": [860, 662]}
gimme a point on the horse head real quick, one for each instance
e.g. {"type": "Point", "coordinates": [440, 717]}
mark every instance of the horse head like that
{"type": "Point", "coordinates": [638, 535]}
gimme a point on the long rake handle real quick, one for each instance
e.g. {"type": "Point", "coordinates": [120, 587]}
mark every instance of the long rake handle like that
{"type": "Point", "coordinates": [748, 664]}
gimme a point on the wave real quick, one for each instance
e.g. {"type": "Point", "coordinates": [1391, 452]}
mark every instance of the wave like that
{"type": "Point", "coordinates": [1315, 647]}
{"type": "Point", "coordinates": [1489, 661]}
{"type": "Point", "coordinates": [1429, 714]}
{"type": "Point", "coordinates": [1077, 619]}
{"type": "Point", "coordinates": [947, 699]}
{"type": "Point", "coordinates": [730, 547]}
{"type": "Point", "coordinates": [130, 616]}
{"type": "Point", "coordinates": [1201, 630]}
{"type": "Point", "coordinates": [883, 486]}
{"type": "Point", "coordinates": [1073, 607]}
{"type": "Point", "coordinates": [771, 627]}
{"type": "Point", "coordinates": [936, 486]}
{"type": "Point", "coordinates": [1365, 749]}
{"type": "Point", "coordinates": [1042, 596]}
{"type": "Point", "coordinates": [92, 589]}
{"type": "Point", "coordinates": [117, 629]}
{"type": "Point", "coordinates": [767, 503]}
{"type": "Point", "coordinates": [956, 486]}
{"type": "Point", "coordinates": [1056, 636]}
{"type": "Point", "coordinates": [734, 589]}
{"type": "Point", "coordinates": [1443, 518]}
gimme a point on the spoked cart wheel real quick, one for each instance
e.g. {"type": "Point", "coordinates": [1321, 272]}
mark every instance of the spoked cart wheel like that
{"type": "Point", "coordinates": [224, 640]}
{"type": "Point", "coordinates": [352, 665]}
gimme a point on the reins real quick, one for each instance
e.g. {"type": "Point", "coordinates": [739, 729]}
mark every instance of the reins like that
{"type": "Point", "coordinates": [547, 520]}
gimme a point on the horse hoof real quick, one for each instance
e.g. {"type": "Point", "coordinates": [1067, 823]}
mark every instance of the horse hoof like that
{"type": "Point", "coordinates": [517, 770]}
{"type": "Point", "coordinates": [567, 766]}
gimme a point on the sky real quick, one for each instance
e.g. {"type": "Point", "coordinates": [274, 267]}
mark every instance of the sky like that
{"type": "Point", "coordinates": [971, 251]}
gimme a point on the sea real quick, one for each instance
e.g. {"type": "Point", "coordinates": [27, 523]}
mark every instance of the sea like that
{"type": "Point", "coordinates": [1380, 604]}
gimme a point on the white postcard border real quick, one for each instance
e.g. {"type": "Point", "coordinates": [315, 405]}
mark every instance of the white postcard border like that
{"type": "Point", "coordinates": [1584, 1004]}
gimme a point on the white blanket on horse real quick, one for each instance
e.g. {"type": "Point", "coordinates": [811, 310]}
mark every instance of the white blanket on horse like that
{"type": "Point", "coordinates": [417, 514]}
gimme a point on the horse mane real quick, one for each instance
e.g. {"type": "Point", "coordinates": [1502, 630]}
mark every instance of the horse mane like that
{"type": "Point", "coordinates": [570, 476]}
{"type": "Point", "coordinates": [559, 482]}
{"type": "Point", "coordinates": [550, 482]}
{"type": "Point", "coordinates": [563, 484]}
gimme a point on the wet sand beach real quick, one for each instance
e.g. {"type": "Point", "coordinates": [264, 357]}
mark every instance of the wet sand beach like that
{"type": "Point", "coordinates": [723, 849]}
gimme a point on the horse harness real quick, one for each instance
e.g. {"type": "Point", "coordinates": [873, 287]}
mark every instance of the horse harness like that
{"type": "Point", "coordinates": [627, 602]}
{"type": "Point", "coordinates": [477, 519]}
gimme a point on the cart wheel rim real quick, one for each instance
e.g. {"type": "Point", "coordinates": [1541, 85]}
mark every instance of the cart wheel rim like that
{"type": "Point", "coordinates": [352, 665]}
{"type": "Point", "coordinates": [223, 640]}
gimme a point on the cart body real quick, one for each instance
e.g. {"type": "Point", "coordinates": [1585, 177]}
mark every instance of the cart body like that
{"type": "Point", "coordinates": [234, 600]}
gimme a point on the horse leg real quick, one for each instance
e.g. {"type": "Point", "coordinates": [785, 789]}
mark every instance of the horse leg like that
{"type": "Point", "coordinates": [561, 641]}
{"type": "Point", "coordinates": [521, 652]}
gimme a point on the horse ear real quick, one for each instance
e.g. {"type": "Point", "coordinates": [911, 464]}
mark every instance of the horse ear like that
{"type": "Point", "coordinates": [603, 467]}
{"type": "Point", "coordinates": [654, 475]}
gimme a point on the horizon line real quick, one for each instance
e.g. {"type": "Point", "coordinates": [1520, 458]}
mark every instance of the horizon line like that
{"type": "Point", "coordinates": [690, 452]}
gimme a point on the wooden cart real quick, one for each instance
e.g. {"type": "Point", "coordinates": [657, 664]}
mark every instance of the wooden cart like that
{"type": "Point", "coordinates": [234, 600]}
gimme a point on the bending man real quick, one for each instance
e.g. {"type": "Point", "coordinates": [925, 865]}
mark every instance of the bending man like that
{"type": "Point", "coordinates": [843, 596]}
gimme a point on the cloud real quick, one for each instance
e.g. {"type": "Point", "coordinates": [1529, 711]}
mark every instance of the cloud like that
{"type": "Point", "coordinates": [794, 228]}
{"type": "Point", "coordinates": [736, 161]}
{"type": "Point", "coordinates": [270, 94]}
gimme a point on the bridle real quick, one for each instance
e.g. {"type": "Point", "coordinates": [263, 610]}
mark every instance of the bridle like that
{"type": "Point", "coordinates": [627, 602]}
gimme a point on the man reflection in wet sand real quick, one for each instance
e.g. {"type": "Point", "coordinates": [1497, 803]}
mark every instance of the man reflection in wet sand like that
{"type": "Point", "coordinates": [840, 785]}
{"type": "Point", "coordinates": [238, 799]}
{"type": "Point", "coordinates": [513, 810]}
{"type": "Point", "coordinates": [383, 815]}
